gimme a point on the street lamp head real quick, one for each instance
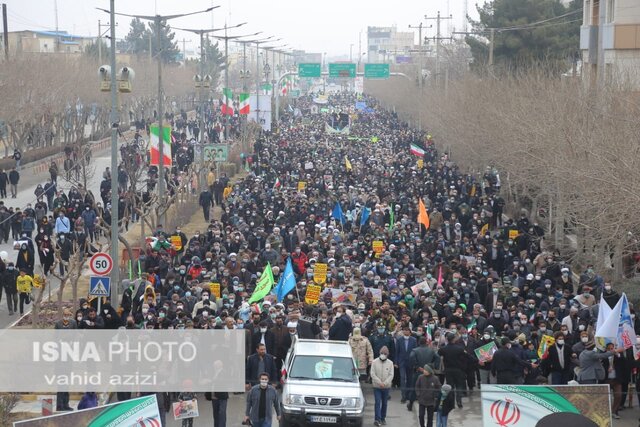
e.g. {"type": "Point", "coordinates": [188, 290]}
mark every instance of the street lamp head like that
{"type": "Point", "coordinates": [104, 72]}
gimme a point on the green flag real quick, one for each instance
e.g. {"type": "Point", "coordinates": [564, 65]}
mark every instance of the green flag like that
{"type": "Point", "coordinates": [263, 286]}
{"type": "Point", "coordinates": [392, 218]}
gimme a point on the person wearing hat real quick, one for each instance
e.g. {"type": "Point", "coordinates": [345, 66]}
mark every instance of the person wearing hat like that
{"type": "Point", "coordinates": [586, 299]}
{"type": "Point", "coordinates": [427, 393]}
{"type": "Point", "coordinates": [444, 405]}
{"type": "Point", "coordinates": [590, 361]}
{"type": "Point", "coordinates": [381, 378]}
{"type": "Point", "coordinates": [421, 356]}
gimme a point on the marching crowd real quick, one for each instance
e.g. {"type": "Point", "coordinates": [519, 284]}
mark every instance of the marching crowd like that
{"type": "Point", "coordinates": [435, 289]}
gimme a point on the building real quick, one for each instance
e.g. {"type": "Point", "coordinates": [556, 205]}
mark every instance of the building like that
{"type": "Point", "coordinates": [303, 57]}
{"type": "Point", "coordinates": [610, 41]}
{"type": "Point", "coordinates": [385, 43]}
{"type": "Point", "coordinates": [29, 41]}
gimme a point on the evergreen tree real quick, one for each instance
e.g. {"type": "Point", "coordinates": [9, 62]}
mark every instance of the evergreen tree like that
{"type": "Point", "coordinates": [524, 40]}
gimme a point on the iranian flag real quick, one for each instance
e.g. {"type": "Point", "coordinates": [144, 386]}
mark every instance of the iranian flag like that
{"type": "Point", "coordinates": [417, 150]}
{"type": "Point", "coordinates": [227, 102]}
{"type": "Point", "coordinates": [283, 87]}
{"type": "Point", "coordinates": [155, 145]}
{"type": "Point", "coordinates": [243, 99]}
{"type": "Point", "coordinates": [277, 184]}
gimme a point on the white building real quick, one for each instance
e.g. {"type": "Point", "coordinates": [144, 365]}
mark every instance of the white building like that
{"type": "Point", "coordinates": [610, 41]}
{"type": "Point", "coordinates": [385, 43]}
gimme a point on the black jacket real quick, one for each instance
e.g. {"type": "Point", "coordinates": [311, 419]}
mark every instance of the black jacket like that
{"type": "Point", "coordinates": [269, 341]}
{"type": "Point", "coordinates": [552, 362]}
{"type": "Point", "coordinates": [8, 280]}
{"type": "Point", "coordinates": [251, 373]}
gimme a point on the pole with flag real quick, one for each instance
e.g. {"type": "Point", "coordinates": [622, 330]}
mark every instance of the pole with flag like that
{"type": "Point", "coordinates": [263, 286]}
{"type": "Point", "coordinates": [364, 216]}
{"type": "Point", "coordinates": [423, 216]}
{"type": "Point", "coordinates": [347, 164]}
{"type": "Point", "coordinates": [392, 217]}
{"type": "Point", "coordinates": [286, 283]}
{"type": "Point", "coordinates": [337, 213]}
{"type": "Point", "coordinates": [227, 101]}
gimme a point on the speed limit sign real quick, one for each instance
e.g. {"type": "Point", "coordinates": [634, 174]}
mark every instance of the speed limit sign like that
{"type": "Point", "coordinates": [101, 264]}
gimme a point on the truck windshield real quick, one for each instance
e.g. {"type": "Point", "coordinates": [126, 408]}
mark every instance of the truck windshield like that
{"type": "Point", "coordinates": [323, 368]}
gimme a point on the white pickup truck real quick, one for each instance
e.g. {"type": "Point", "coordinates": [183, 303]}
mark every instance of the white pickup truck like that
{"type": "Point", "coordinates": [320, 385]}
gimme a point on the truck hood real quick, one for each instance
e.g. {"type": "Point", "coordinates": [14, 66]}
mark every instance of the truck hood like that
{"type": "Point", "coordinates": [322, 388]}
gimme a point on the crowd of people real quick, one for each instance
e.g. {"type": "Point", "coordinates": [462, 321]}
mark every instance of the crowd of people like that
{"type": "Point", "coordinates": [423, 267]}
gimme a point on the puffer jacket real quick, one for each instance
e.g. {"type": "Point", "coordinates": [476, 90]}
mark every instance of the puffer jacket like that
{"type": "Point", "coordinates": [362, 352]}
{"type": "Point", "coordinates": [427, 389]}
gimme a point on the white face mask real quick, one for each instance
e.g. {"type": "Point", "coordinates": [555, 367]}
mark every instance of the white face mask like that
{"type": "Point", "coordinates": [560, 342]}
{"type": "Point", "coordinates": [263, 330]}
{"type": "Point", "coordinates": [383, 357]}
{"type": "Point", "coordinates": [325, 333]}
{"type": "Point", "coordinates": [263, 383]}
{"type": "Point", "coordinates": [584, 339]}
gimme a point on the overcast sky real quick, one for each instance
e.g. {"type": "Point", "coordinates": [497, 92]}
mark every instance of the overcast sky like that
{"type": "Point", "coordinates": [315, 26]}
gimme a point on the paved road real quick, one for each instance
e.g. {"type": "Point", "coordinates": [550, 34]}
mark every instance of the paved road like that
{"type": "Point", "coordinates": [397, 415]}
{"type": "Point", "coordinates": [28, 182]}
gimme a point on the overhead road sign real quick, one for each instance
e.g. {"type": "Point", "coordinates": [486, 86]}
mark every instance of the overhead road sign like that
{"type": "Point", "coordinates": [309, 70]}
{"type": "Point", "coordinates": [342, 69]}
{"type": "Point", "coordinates": [376, 71]}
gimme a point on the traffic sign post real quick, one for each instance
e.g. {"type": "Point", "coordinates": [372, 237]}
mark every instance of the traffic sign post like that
{"type": "Point", "coordinates": [376, 71]}
{"type": "Point", "coordinates": [101, 264]}
{"type": "Point", "coordinates": [310, 70]}
{"type": "Point", "coordinates": [342, 69]}
{"type": "Point", "coordinates": [99, 286]}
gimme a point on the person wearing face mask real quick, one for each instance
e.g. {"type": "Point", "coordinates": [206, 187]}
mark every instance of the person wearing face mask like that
{"type": "Point", "coordinates": [422, 356]}
{"type": "Point", "coordinates": [427, 392]}
{"type": "Point", "coordinates": [264, 336]}
{"type": "Point", "coordinates": [581, 345]}
{"type": "Point", "coordinates": [610, 295]}
{"type": "Point", "coordinates": [261, 400]}
{"type": "Point", "coordinates": [381, 379]}
{"type": "Point", "coordinates": [341, 328]}
{"type": "Point", "coordinates": [559, 362]}
{"type": "Point", "coordinates": [8, 282]}
{"type": "Point", "coordinates": [592, 370]}
{"type": "Point", "coordinates": [204, 297]}
{"type": "Point", "coordinates": [362, 351]}
{"type": "Point", "coordinates": [505, 364]}
{"type": "Point", "coordinates": [381, 338]}
{"type": "Point", "coordinates": [404, 345]}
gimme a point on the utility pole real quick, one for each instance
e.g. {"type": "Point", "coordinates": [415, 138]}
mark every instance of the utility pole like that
{"type": "Point", "coordinates": [491, 45]}
{"type": "Point", "coordinates": [115, 231]}
{"type": "Point", "coordinates": [359, 50]}
{"type": "Point", "coordinates": [99, 42]}
{"type": "Point", "coordinates": [420, 51]}
{"type": "Point", "coordinates": [437, 39]}
{"type": "Point", "coordinates": [5, 31]}
{"type": "Point", "coordinates": [351, 52]}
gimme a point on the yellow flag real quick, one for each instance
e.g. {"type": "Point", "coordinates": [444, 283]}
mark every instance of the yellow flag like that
{"type": "Point", "coordinates": [484, 229]}
{"type": "Point", "coordinates": [423, 216]}
{"type": "Point", "coordinates": [347, 163]}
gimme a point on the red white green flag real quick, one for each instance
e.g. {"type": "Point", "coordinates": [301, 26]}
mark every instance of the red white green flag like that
{"type": "Point", "coordinates": [227, 101]}
{"type": "Point", "coordinates": [417, 150]}
{"type": "Point", "coordinates": [243, 99]}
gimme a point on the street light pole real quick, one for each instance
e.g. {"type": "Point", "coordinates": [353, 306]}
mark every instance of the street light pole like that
{"type": "Point", "coordinates": [115, 273]}
{"type": "Point", "coordinates": [161, 179]}
{"type": "Point", "coordinates": [157, 19]}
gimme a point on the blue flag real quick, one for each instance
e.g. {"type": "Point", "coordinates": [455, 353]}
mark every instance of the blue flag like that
{"type": "Point", "coordinates": [337, 213]}
{"type": "Point", "coordinates": [364, 216]}
{"type": "Point", "coordinates": [287, 282]}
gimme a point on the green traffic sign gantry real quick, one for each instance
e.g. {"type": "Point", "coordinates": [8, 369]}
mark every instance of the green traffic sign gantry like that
{"type": "Point", "coordinates": [309, 70]}
{"type": "Point", "coordinates": [376, 71]}
{"type": "Point", "coordinates": [342, 69]}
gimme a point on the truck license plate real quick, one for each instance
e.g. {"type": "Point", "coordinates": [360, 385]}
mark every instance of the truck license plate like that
{"type": "Point", "coordinates": [322, 419]}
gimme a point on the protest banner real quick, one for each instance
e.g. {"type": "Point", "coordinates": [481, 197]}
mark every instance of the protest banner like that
{"type": "Point", "coordinates": [185, 409]}
{"type": "Point", "coordinates": [320, 273]}
{"type": "Point", "coordinates": [313, 294]}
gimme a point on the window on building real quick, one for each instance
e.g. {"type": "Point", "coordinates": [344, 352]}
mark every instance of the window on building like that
{"type": "Point", "coordinates": [586, 12]}
{"type": "Point", "coordinates": [611, 5]}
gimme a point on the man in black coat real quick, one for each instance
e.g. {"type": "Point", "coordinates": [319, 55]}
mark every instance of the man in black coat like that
{"type": "Point", "coordinates": [455, 361]}
{"type": "Point", "coordinates": [206, 201]}
{"type": "Point", "coordinates": [341, 328]}
{"type": "Point", "coordinates": [264, 336]}
{"type": "Point", "coordinates": [558, 362]}
{"type": "Point", "coordinates": [8, 282]}
{"type": "Point", "coordinates": [257, 364]}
